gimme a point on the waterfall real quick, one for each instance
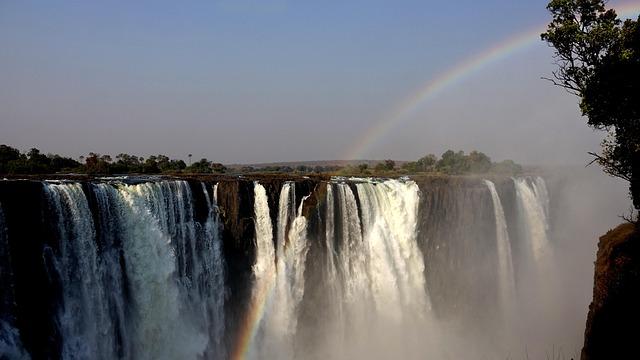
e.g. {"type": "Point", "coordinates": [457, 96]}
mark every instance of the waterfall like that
{"type": "Point", "coordinates": [379, 266]}
{"type": "Point", "coordinates": [335, 326]}
{"type": "Point", "coordinates": [352, 261]}
{"type": "Point", "coordinates": [10, 344]}
{"type": "Point", "coordinates": [505, 261]}
{"type": "Point", "coordinates": [287, 264]}
{"type": "Point", "coordinates": [533, 201]}
{"type": "Point", "coordinates": [264, 271]}
{"type": "Point", "coordinates": [84, 315]}
{"type": "Point", "coordinates": [211, 280]}
{"type": "Point", "coordinates": [140, 277]}
{"type": "Point", "coordinates": [389, 216]}
{"type": "Point", "coordinates": [371, 268]}
{"type": "Point", "coordinates": [175, 269]}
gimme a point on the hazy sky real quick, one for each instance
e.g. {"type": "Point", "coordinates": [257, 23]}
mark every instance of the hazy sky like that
{"type": "Point", "coordinates": [277, 80]}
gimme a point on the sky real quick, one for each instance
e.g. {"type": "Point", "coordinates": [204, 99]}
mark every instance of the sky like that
{"type": "Point", "coordinates": [252, 81]}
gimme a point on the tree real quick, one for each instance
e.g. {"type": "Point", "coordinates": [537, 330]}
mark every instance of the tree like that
{"type": "Point", "coordinates": [150, 166]}
{"type": "Point", "coordinates": [426, 163]}
{"type": "Point", "coordinates": [410, 166]}
{"type": "Point", "coordinates": [200, 167]}
{"type": "Point", "coordinates": [7, 155]}
{"type": "Point", "coordinates": [507, 167]}
{"type": "Point", "coordinates": [479, 163]}
{"type": "Point", "coordinates": [97, 164]}
{"type": "Point", "coordinates": [454, 163]}
{"type": "Point", "coordinates": [218, 167]}
{"type": "Point", "coordinates": [598, 59]}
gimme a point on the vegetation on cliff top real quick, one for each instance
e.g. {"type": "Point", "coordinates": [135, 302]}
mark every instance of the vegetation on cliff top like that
{"type": "Point", "coordinates": [12, 161]}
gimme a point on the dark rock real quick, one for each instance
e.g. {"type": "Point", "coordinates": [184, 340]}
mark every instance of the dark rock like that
{"type": "Point", "coordinates": [614, 314]}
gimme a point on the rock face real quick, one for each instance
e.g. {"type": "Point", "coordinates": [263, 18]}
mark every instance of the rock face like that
{"type": "Point", "coordinates": [614, 314]}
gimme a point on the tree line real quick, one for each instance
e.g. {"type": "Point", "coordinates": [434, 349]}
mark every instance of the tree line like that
{"type": "Point", "coordinates": [12, 161]}
{"type": "Point", "coordinates": [450, 163]}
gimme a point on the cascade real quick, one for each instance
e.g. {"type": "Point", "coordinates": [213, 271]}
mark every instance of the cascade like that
{"type": "Point", "coordinates": [10, 343]}
{"type": "Point", "coordinates": [137, 270]}
{"type": "Point", "coordinates": [533, 201]}
{"type": "Point", "coordinates": [505, 260]}
{"type": "Point", "coordinates": [286, 262]}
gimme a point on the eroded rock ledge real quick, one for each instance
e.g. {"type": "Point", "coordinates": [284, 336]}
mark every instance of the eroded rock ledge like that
{"type": "Point", "coordinates": [613, 323]}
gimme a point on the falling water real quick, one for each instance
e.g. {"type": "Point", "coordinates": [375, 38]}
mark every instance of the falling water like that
{"type": "Point", "coordinates": [533, 200]}
{"type": "Point", "coordinates": [264, 270]}
{"type": "Point", "coordinates": [138, 270]}
{"type": "Point", "coordinates": [395, 262]}
{"type": "Point", "coordinates": [505, 261]}
{"type": "Point", "coordinates": [381, 268]}
{"type": "Point", "coordinates": [211, 279]}
{"type": "Point", "coordinates": [139, 277]}
{"type": "Point", "coordinates": [278, 326]}
{"type": "Point", "coordinates": [84, 316]}
{"type": "Point", "coordinates": [10, 344]}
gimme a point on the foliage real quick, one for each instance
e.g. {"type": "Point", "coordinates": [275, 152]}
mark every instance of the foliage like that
{"type": "Point", "coordinates": [453, 163]}
{"type": "Point", "coordinates": [598, 59]}
{"type": "Point", "coordinates": [12, 161]}
{"type": "Point", "coordinates": [205, 166]}
{"type": "Point", "coordinates": [387, 165]}
{"type": "Point", "coordinates": [459, 163]}
{"type": "Point", "coordinates": [33, 162]}
{"type": "Point", "coordinates": [506, 167]}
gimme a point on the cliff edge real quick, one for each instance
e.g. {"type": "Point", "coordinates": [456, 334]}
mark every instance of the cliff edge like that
{"type": "Point", "coordinates": [613, 323]}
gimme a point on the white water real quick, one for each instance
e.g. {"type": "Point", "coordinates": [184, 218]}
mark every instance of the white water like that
{"type": "Point", "coordinates": [161, 330]}
{"type": "Point", "coordinates": [533, 200]}
{"type": "Point", "coordinates": [396, 264]}
{"type": "Point", "coordinates": [164, 299]}
{"type": "Point", "coordinates": [211, 279]}
{"type": "Point", "coordinates": [267, 341]}
{"type": "Point", "coordinates": [84, 315]}
{"type": "Point", "coordinates": [383, 305]}
{"type": "Point", "coordinates": [505, 259]}
{"type": "Point", "coordinates": [279, 323]}
{"type": "Point", "coordinates": [174, 273]}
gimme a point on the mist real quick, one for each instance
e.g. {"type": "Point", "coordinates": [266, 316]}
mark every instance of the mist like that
{"type": "Point", "coordinates": [309, 262]}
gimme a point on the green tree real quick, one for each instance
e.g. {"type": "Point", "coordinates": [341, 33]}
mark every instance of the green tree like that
{"type": "Point", "coordinates": [97, 164]}
{"type": "Point", "coordinates": [598, 59]}
{"type": "Point", "coordinates": [427, 163]}
{"type": "Point", "coordinates": [410, 166]}
{"type": "Point", "coordinates": [387, 165]}
{"type": "Point", "coordinates": [507, 167]}
{"type": "Point", "coordinates": [218, 167]}
{"type": "Point", "coordinates": [150, 166]}
{"type": "Point", "coordinates": [200, 167]}
{"type": "Point", "coordinates": [7, 155]}
{"type": "Point", "coordinates": [454, 163]}
{"type": "Point", "coordinates": [479, 163]}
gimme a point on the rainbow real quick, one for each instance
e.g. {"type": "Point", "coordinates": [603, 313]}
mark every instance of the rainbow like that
{"type": "Point", "coordinates": [454, 76]}
{"type": "Point", "coordinates": [263, 294]}
{"type": "Point", "coordinates": [251, 321]}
